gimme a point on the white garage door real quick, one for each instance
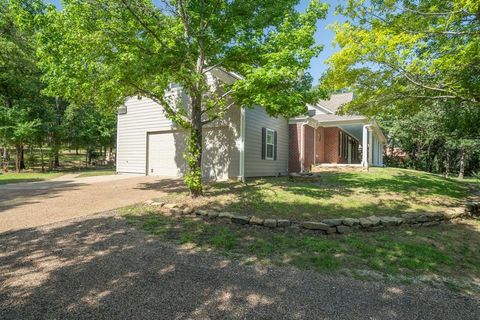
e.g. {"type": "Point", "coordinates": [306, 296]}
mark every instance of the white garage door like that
{"type": "Point", "coordinates": [165, 154]}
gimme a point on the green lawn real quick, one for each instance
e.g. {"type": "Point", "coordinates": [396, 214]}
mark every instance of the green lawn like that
{"type": "Point", "coordinates": [12, 177]}
{"type": "Point", "coordinates": [93, 173]}
{"type": "Point", "coordinates": [27, 177]}
{"type": "Point", "coordinates": [351, 193]}
{"type": "Point", "coordinates": [447, 254]}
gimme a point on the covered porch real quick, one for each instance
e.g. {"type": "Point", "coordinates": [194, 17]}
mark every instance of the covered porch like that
{"type": "Point", "coordinates": [333, 140]}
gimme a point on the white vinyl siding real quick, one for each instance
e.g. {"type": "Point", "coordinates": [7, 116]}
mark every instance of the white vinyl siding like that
{"type": "Point", "coordinates": [255, 119]}
{"type": "Point", "coordinates": [145, 117]}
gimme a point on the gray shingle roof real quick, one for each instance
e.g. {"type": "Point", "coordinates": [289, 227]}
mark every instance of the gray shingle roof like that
{"type": "Point", "coordinates": [336, 101]}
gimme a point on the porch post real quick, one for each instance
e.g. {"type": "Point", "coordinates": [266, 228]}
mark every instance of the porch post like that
{"type": "Point", "coordinates": [365, 146]}
{"type": "Point", "coordinates": [302, 152]}
{"type": "Point", "coordinates": [315, 145]}
{"type": "Point", "coordinates": [370, 148]}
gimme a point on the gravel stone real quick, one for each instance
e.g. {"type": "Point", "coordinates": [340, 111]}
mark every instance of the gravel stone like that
{"type": "Point", "coordinates": [240, 219]}
{"type": "Point", "coordinates": [331, 230]}
{"type": "Point", "coordinates": [213, 214]}
{"type": "Point", "coordinates": [134, 275]}
{"type": "Point", "coordinates": [283, 223]}
{"type": "Point", "coordinates": [312, 225]}
{"type": "Point", "coordinates": [332, 222]}
{"type": "Point", "coordinates": [171, 205]}
{"type": "Point", "coordinates": [271, 223]}
{"type": "Point", "coordinates": [390, 221]}
{"type": "Point", "coordinates": [430, 223]}
{"type": "Point", "coordinates": [350, 222]}
{"type": "Point", "coordinates": [225, 215]}
{"type": "Point", "coordinates": [365, 222]}
{"type": "Point", "coordinates": [201, 212]}
{"type": "Point", "coordinates": [256, 221]}
{"type": "Point", "coordinates": [343, 229]}
{"type": "Point", "coordinates": [375, 220]}
{"type": "Point", "coordinates": [188, 210]}
{"type": "Point", "coordinates": [176, 211]}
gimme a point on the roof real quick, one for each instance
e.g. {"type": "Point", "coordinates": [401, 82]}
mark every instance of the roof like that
{"type": "Point", "coordinates": [336, 101]}
{"type": "Point", "coordinates": [334, 117]}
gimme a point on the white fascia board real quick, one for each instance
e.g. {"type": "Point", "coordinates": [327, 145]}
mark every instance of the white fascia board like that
{"type": "Point", "coordinates": [336, 123]}
{"type": "Point", "coordinates": [319, 108]}
{"type": "Point", "coordinates": [225, 76]}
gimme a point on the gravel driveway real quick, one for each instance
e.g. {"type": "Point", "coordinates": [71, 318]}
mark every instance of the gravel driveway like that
{"type": "Point", "coordinates": [32, 204]}
{"type": "Point", "coordinates": [98, 267]}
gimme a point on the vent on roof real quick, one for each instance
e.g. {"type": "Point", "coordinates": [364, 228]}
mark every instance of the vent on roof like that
{"type": "Point", "coordinates": [311, 113]}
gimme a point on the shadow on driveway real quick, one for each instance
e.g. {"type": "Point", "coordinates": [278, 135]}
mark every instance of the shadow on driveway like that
{"type": "Point", "coordinates": [101, 268]}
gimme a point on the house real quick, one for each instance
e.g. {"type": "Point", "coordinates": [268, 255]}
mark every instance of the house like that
{"type": "Point", "coordinates": [246, 142]}
{"type": "Point", "coordinates": [326, 138]}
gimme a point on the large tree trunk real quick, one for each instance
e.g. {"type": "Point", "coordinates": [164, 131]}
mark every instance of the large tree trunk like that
{"type": "Point", "coordinates": [22, 157]}
{"type": "Point", "coordinates": [56, 161]}
{"type": "Point", "coordinates": [461, 172]}
{"type": "Point", "coordinates": [18, 157]}
{"type": "Point", "coordinates": [5, 159]}
{"type": "Point", "coordinates": [42, 159]}
{"type": "Point", "coordinates": [193, 178]}
{"type": "Point", "coordinates": [447, 165]}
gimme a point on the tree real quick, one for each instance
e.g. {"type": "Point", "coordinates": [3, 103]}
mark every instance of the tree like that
{"type": "Point", "coordinates": [20, 85]}
{"type": "Point", "coordinates": [89, 127]}
{"type": "Point", "coordinates": [441, 138]}
{"type": "Point", "coordinates": [408, 53]}
{"type": "Point", "coordinates": [102, 51]}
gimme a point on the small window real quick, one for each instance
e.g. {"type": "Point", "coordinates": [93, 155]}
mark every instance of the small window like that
{"type": "Point", "coordinates": [270, 144]}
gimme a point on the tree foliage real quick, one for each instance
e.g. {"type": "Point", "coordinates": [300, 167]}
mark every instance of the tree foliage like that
{"type": "Point", "coordinates": [103, 51]}
{"type": "Point", "coordinates": [27, 115]}
{"type": "Point", "coordinates": [442, 139]}
{"type": "Point", "coordinates": [405, 53]}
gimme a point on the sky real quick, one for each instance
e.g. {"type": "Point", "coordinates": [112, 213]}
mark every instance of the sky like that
{"type": "Point", "coordinates": [323, 36]}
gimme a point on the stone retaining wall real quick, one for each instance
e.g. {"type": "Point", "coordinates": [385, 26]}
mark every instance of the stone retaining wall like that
{"type": "Point", "coordinates": [330, 226]}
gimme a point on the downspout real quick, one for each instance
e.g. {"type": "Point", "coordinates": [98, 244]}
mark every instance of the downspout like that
{"type": "Point", "coordinates": [116, 146]}
{"type": "Point", "coordinates": [365, 148]}
{"type": "Point", "coordinates": [242, 144]}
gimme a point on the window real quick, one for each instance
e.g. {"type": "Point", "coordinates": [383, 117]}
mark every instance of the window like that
{"type": "Point", "coordinates": [269, 144]}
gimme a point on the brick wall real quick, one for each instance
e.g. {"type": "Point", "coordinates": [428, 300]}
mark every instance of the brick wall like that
{"type": "Point", "coordinates": [331, 145]}
{"type": "Point", "coordinates": [309, 147]}
{"type": "Point", "coordinates": [294, 147]}
{"type": "Point", "coordinates": [294, 158]}
{"type": "Point", "coordinates": [326, 146]}
{"type": "Point", "coordinates": [320, 145]}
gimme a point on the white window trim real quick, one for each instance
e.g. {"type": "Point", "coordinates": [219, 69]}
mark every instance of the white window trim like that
{"type": "Point", "coordinates": [272, 144]}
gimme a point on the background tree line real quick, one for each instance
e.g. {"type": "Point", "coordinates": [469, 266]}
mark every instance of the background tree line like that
{"type": "Point", "coordinates": [35, 127]}
{"type": "Point", "coordinates": [414, 65]}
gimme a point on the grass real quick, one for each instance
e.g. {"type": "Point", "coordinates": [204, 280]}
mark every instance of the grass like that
{"type": "Point", "coordinates": [449, 254]}
{"type": "Point", "coordinates": [381, 191]}
{"type": "Point", "coordinates": [12, 177]}
{"type": "Point", "coordinates": [93, 173]}
{"type": "Point", "coordinates": [27, 177]}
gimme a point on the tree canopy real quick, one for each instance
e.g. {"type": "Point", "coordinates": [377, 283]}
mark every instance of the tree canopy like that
{"type": "Point", "coordinates": [405, 53]}
{"type": "Point", "coordinates": [104, 51]}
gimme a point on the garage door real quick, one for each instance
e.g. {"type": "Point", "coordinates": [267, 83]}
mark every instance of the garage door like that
{"type": "Point", "coordinates": [165, 154]}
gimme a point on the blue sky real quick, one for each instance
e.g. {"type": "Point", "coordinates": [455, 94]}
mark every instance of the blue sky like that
{"type": "Point", "coordinates": [322, 36]}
